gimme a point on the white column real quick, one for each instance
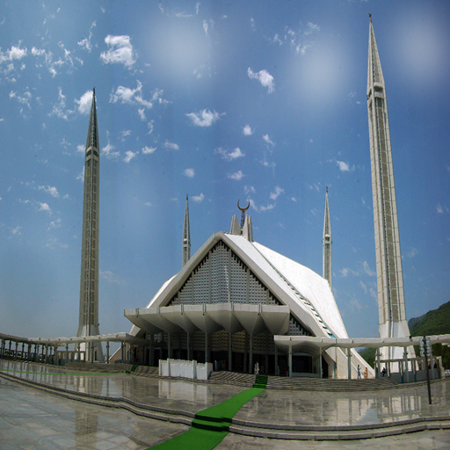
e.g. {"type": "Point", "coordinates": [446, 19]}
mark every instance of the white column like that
{"type": "Point", "coordinates": [169, 345]}
{"type": "Point", "coordinates": [276, 361]}
{"type": "Point", "coordinates": [250, 369]}
{"type": "Point", "coordinates": [378, 362]}
{"type": "Point", "coordinates": [230, 352]}
{"type": "Point", "coordinates": [320, 362]}
{"type": "Point", "coordinates": [349, 360]}
{"type": "Point", "coordinates": [188, 346]}
{"type": "Point", "coordinates": [290, 360]}
{"type": "Point", "coordinates": [206, 348]}
{"type": "Point", "coordinates": [405, 356]}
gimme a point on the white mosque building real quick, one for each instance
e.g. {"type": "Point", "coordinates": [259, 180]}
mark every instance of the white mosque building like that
{"type": "Point", "coordinates": [233, 298]}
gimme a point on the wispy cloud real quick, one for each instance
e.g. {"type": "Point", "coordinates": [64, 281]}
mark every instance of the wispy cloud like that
{"type": "Point", "coordinates": [86, 42]}
{"type": "Point", "coordinates": [230, 156]}
{"type": "Point", "coordinates": [190, 173]}
{"type": "Point", "coordinates": [278, 191]}
{"type": "Point", "coordinates": [267, 139]}
{"type": "Point", "coordinates": [236, 176]}
{"type": "Point", "coordinates": [343, 166]}
{"type": "Point", "coordinates": [204, 118]}
{"type": "Point", "coordinates": [120, 51]}
{"type": "Point", "coordinates": [17, 231]}
{"type": "Point", "coordinates": [85, 102]}
{"type": "Point", "coordinates": [247, 130]}
{"type": "Point", "coordinates": [171, 146]}
{"type": "Point", "coordinates": [110, 277]}
{"type": "Point", "coordinates": [44, 207]}
{"type": "Point", "coordinates": [148, 150]}
{"type": "Point", "coordinates": [198, 198]}
{"type": "Point", "coordinates": [264, 78]}
{"type": "Point", "coordinates": [129, 155]}
{"type": "Point", "coordinates": [108, 152]}
{"type": "Point", "coordinates": [50, 190]}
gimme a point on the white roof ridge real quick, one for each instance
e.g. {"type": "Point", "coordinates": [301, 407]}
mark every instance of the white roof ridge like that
{"type": "Point", "coordinates": [305, 299]}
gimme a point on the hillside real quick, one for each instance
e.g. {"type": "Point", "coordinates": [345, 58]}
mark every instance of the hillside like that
{"type": "Point", "coordinates": [436, 321]}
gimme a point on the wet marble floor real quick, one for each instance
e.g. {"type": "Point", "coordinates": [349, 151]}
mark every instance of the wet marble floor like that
{"type": "Point", "coordinates": [33, 420]}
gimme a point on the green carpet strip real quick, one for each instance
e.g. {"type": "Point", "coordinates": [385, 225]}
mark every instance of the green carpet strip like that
{"type": "Point", "coordinates": [211, 425]}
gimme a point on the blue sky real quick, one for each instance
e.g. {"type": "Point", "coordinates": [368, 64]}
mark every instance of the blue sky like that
{"type": "Point", "coordinates": [257, 100]}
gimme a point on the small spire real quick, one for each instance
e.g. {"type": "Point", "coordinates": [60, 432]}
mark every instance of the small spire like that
{"type": "Point", "coordinates": [186, 235]}
{"type": "Point", "coordinates": [370, 17]}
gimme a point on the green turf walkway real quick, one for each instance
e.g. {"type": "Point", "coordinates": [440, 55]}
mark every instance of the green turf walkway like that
{"type": "Point", "coordinates": [211, 425]}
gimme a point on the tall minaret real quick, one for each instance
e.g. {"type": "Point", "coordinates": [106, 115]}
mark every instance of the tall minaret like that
{"type": "Point", "coordinates": [186, 235]}
{"type": "Point", "coordinates": [327, 272]}
{"type": "Point", "coordinates": [391, 301]}
{"type": "Point", "coordinates": [88, 323]}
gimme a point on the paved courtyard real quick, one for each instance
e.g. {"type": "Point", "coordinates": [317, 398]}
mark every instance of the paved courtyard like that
{"type": "Point", "coordinates": [33, 419]}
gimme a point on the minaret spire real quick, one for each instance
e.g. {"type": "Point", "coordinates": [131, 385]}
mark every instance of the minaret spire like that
{"type": "Point", "coordinates": [88, 319]}
{"type": "Point", "coordinates": [326, 241]}
{"type": "Point", "coordinates": [391, 301]}
{"type": "Point", "coordinates": [186, 235]}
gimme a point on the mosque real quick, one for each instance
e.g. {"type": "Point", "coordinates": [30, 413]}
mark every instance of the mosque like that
{"type": "Point", "coordinates": [242, 306]}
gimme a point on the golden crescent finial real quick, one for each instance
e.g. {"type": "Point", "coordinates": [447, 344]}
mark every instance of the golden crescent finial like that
{"type": "Point", "coordinates": [243, 209]}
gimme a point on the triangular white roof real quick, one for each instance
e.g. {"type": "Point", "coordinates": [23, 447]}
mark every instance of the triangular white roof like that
{"type": "Point", "coordinates": [306, 293]}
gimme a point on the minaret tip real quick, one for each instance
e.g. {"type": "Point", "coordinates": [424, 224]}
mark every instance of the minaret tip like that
{"type": "Point", "coordinates": [327, 189]}
{"type": "Point", "coordinates": [370, 17]}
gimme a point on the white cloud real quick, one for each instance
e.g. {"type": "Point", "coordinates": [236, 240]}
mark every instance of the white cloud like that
{"type": "Point", "coordinates": [236, 176]}
{"type": "Point", "coordinates": [343, 166]}
{"type": "Point", "coordinates": [129, 156]}
{"type": "Point", "coordinates": [344, 272]}
{"type": "Point", "coordinates": [81, 148]}
{"type": "Point", "coordinates": [230, 156]}
{"type": "Point", "coordinates": [267, 208]}
{"type": "Point", "coordinates": [111, 277]}
{"type": "Point", "coordinates": [13, 53]}
{"type": "Point", "coordinates": [141, 113]}
{"type": "Point", "coordinates": [86, 42]}
{"type": "Point", "coordinates": [81, 176]}
{"type": "Point", "coordinates": [50, 190]}
{"type": "Point", "coordinates": [190, 173]}
{"type": "Point", "coordinates": [412, 252]}
{"type": "Point", "coordinates": [439, 209]}
{"type": "Point", "coordinates": [204, 118]}
{"type": "Point", "coordinates": [247, 130]}
{"type": "Point", "coordinates": [311, 28]}
{"type": "Point", "coordinates": [171, 146]}
{"type": "Point", "coordinates": [249, 189]}
{"type": "Point", "coordinates": [267, 139]}
{"type": "Point", "coordinates": [148, 204]}
{"type": "Point", "coordinates": [25, 99]}
{"type": "Point", "coordinates": [17, 230]}
{"type": "Point", "coordinates": [55, 224]}
{"type": "Point", "coordinates": [44, 207]}
{"type": "Point", "coordinates": [367, 269]}
{"type": "Point", "coordinates": [58, 108]}
{"type": "Point", "coordinates": [278, 191]}
{"type": "Point", "coordinates": [107, 151]}
{"type": "Point", "coordinates": [198, 198]}
{"type": "Point", "coordinates": [85, 102]}
{"type": "Point", "coordinates": [363, 286]}
{"type": "Point", "coordinates": [264, 78]}
{"type": "Point", "coordinates": [120, 51]}
{"type": "Point", "coordinates": [148, 150]}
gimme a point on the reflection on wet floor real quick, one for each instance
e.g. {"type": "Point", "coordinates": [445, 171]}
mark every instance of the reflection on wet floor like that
{"type": "Point", "coordinates": [270, 407]}
{"type": "Point", "coordinates": [35, 420]}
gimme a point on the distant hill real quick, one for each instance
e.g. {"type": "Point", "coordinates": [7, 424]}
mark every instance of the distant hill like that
{"type": "Point", "coordinates": [436, 321]}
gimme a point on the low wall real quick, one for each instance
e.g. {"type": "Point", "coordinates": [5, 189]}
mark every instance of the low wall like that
{"type": "Point", "coordinates": [185, 369]}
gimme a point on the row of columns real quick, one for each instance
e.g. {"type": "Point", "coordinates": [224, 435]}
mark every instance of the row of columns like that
{"type": "Point", "coordinates": [47, 352]}
{"type": "Point", "coordinates": [248, 351]}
